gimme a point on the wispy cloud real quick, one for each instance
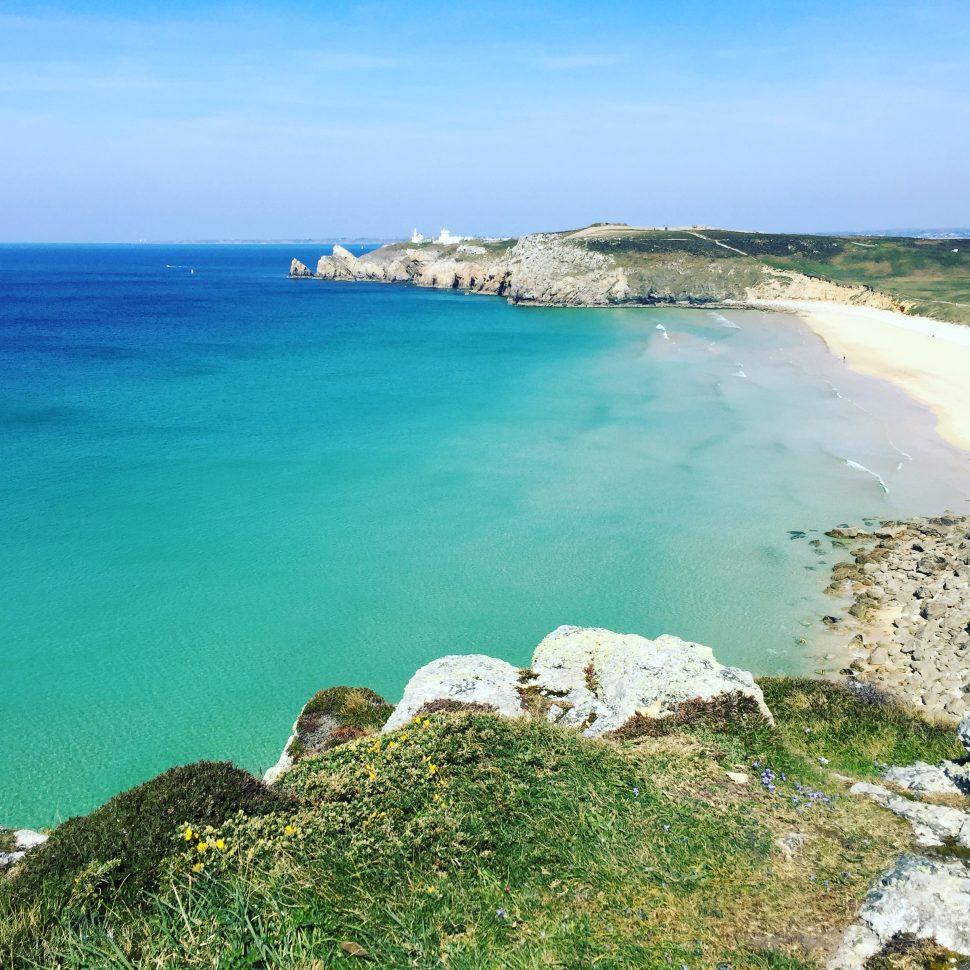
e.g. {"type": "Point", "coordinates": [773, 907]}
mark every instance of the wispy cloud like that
{"type": "Point", "coordinates": [577, 62]}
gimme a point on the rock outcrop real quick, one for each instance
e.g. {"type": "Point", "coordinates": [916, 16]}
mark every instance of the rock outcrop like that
{"type": "Point", "coordinates": [909, 621]}
{"type": "Point", "coordinates": [21, 842]}
{"type": "Point", "coordinates": [933, 825]}
{"type": "Point", "coordinates": [924, 779]}
{"type": "Point", "coordinates": [593, 680]}
{"type": "Point", "coordinates": [564, 269]}
{"type": "Point", "coordinates": [468, 679]}
{"type": "Point", "coordinates": [919, 897]}
{"type": "Point", "coordinates": [299, 269]}
{"type": "Point", "coordinates": [603, 679]}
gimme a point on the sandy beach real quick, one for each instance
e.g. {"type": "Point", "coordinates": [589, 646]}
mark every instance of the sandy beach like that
{"type": "Point", "coordinates": [929, 359]}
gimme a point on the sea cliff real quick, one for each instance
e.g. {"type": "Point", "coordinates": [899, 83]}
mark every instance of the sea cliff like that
{"type": "Point", "coordinates": [601, 266]}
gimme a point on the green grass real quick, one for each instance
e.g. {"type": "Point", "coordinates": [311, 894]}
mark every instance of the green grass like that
{"type": "Point", "coordinates": [335, 716]}
{"type": "Point", "coordinates": [6, 840]}
{"type": "Point", "coordinates": [933, 274]}
{"type": "Point", "coordinates": [470, 841]}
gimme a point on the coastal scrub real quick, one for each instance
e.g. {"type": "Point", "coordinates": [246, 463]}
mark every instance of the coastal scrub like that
{"type": "Point", "coordinates": [467, 840]}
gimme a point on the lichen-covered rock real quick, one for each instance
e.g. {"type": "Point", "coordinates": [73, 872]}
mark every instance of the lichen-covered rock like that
{"type": "Point", "coordinates": [922, 778]}
{"type": "Point", "coordinates": [928, 899]}
{"type": "Point", "coordinates": [466, 679]}
{"type": "Point", "coordinates": [932, 824]}
{"type": "Point", "coordinates": [959, 774]}
{"type": "Point", "coordinates": [299, 269]}
{"type": "Point", "coordinates": [608, 678]}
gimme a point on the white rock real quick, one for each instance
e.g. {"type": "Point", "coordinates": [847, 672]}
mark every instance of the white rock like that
{"type": "Point", "coordinates": [738, 777]}
{"type": "Point", "coordinates": [469, 679]}
{"type": "Point", "coordinates": [791, 844]}
{"type": "Point", "coordinates": [921, 777]}
{"type": "Point", "coordinates": [609, 677]}
{"type": "Point", "coordinates": [299, 269]}
{"type": "Point", "coordinates": [933, 824]}
{"type": "Point", "coordinates": [925, 898]}
{"type": "Point", "coordinates": [26, 839]}
{"type": "Point", "coordinates": [963, 732]}
{"type": "Point", "coordinates": [959, 774]}
{"type": "Point", "coordinates": [284, 764]}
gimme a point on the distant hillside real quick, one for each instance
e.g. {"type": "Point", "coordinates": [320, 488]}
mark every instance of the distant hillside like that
{"type": "Point", "coordinates": [612, 264]}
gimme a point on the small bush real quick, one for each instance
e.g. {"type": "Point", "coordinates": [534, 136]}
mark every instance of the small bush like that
{"type": "Point", "coordinates": [134, 831]}
{"type": "Point", "coordinates": [725, 712]}
{"type": "Point", "coordinates": [337, 715]}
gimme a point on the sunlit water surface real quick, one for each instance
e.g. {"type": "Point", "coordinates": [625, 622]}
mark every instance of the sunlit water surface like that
{"type": "Point", "coordinates": [224, 490]}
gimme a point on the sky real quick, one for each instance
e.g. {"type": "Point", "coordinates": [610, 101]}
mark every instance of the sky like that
{"type": "Point", "coordinates": [176, 120]}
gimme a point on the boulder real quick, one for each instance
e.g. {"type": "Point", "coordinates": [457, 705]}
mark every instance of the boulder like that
{"type": "Point", "coordinates": [922, 778]}
{"type": "Point", "coordinates": [298, 269]}
{"type": "Point", "coordinates": [466, 679]}
{"type": "Point", "coordinates": [928, 899]}
{"type": "Point", "coordinates": [607, 678]}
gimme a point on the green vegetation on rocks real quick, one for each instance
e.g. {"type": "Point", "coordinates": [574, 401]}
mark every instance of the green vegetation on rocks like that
{"type": "Point", "coordinates": [335, 716]}
{"type": "Point", "coordinates": [464, 840]}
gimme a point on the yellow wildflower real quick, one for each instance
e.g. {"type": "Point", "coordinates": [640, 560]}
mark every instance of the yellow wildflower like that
{"type": "Point", "coordinates": [198, 867]}
{"type": "Point", "coordinates": [431, 891]}
{"type": "Point", "coordinates": [221, 845]}
{"type": "Point", "coordinates": [432, 769]}
{"type": "Point", "coordinates": [202, 846]}
{"type": "Point", "coordinates": [404, 735]}
{"type": "Point", "coordinates": [291, 830]}
{"type": "Point", "coordinates": [417, 720]}
{"type": "Point", "coordinates": [392, 744]}
{"type": "Point", "coordinates": [188, 833]}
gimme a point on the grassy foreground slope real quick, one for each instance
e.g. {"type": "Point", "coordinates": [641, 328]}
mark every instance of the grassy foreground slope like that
{"type": "Point", "coordinates": [931, 274]}
{"type": "Point", "coordinates": [470, 841]}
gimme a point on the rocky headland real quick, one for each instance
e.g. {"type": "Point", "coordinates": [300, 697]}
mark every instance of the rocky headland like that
{"type": "Point", "coordinates": [908, 625]}
{"type": "Point", "coordinates": [594, 268]}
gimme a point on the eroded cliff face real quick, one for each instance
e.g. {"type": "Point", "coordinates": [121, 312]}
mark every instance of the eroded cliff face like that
{"type": "Point", "coordinates": [559, 270]}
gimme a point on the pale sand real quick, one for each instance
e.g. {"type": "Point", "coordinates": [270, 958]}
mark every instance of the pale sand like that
{"type": "Point", "coordinates": [928, 359]}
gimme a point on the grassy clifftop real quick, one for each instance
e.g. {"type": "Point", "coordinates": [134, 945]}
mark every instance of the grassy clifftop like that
{"type": "Point", "coordinates": [931, 274]}
{"type": "Point", "coordinates": [466, 840]}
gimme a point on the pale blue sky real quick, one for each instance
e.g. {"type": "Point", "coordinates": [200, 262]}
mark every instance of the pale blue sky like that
{"type": "Point", "coordinates": [175, 120]}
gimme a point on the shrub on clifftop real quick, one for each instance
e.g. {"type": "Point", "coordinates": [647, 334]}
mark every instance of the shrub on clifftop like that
{"type": "Point", "coordinates": [126, 838]}
{"type": "Point", "coordinates": [337, 715]}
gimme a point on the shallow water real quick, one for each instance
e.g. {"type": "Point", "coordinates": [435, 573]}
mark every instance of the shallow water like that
{"type": "Point", "coordinates": [225, 490]}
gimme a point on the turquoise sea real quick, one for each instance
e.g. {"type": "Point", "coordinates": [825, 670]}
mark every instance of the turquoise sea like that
{"type": "Point", "coordinates": [224, 490]}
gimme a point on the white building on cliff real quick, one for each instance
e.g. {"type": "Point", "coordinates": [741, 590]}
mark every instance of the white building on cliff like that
{"type": "Point", "coordinates": [445, 238]}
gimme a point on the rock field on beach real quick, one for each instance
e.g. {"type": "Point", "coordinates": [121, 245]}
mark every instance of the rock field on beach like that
{"type": "Point", "coordinates": [908, 626]}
